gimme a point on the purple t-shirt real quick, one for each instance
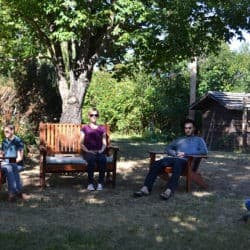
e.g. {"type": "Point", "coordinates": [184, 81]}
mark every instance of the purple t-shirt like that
{"type": "Point", "coordinates": [93, 137]}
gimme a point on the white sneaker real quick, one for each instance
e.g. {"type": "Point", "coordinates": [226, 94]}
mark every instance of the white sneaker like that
{"type": "Point", "coordinates": [144, 189]}
{"type": "Point", "coordinates": [99, 187]}
{"type": "Point", "coordinates": [91, 187]}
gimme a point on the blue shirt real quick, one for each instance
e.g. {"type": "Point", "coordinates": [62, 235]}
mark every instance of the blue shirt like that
{"type": "Point", "coordinates": [11, 147]}
{"type": "Point", "coordinates": [190, 145]}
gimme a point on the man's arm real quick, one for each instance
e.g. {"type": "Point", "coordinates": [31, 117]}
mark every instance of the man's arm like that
{"type": "Point", "coordinates": [171, 148]}
{"type": "Point", "coordinates": [202, 148]}
{"type": "Point", "coordinates": [20, 149]}
{"type": "Point", "coordinates": [197, 147]}
{"type": "Point", "coordinates": [20, 154]}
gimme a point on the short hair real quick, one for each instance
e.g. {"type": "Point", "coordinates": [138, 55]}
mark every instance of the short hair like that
{"type": "Point", "coordinates": [93, 109]}
{"type": "Point", "coordinates": [10, 126]}
{"type": "Point", "coordinates": [188, 120]}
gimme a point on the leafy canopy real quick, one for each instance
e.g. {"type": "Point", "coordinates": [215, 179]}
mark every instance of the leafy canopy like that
{"type": "Point", "coordinates": [157, 32]}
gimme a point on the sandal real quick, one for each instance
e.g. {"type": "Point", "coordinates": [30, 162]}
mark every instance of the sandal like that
{"type": "Point", "coordinates": [166, 195]}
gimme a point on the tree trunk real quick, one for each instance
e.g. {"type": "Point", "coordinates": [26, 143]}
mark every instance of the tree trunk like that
{"type": "Point", "coordinates": [72, 94]}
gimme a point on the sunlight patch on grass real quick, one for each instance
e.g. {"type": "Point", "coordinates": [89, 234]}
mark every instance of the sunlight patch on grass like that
{"type": "Point", "coordinates": [159, 238]}
{"type": "Point", "coordinates": [202, 194]}
{"type": "Point", "coordinates": [93, 200]}
{"type": "Point", "coordinates": [188, 226]}
{"type": "Point", "coordinates": [23, 229]}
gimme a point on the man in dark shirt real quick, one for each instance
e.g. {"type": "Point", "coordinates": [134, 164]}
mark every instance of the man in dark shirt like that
{"type": "Point", "coordinates": [178, 150]}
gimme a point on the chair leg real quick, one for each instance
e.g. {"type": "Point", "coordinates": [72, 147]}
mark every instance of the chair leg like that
{"type": "Point", "coordinates": [188, 177]}
{"type": "Point", "coordinates": [42, 180]}
{"type": "Point", "coordinates": [114, 178]}
{"type": "Point", "coordinates": [197, 178]}
{"type": "Point", "coordinates": [188, 184]}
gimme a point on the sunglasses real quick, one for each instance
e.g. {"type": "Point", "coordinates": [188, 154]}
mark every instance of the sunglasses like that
{"type": "Point", "coordinates": [92, 115]}
{"type": "Point", "coordinates": [188, 127]}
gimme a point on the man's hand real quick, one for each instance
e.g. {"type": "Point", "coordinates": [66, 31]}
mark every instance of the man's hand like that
{"type": "Point", "coordinates": [181, 154]}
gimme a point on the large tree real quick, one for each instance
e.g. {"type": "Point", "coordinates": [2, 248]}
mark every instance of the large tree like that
{"type": "Point", "coordinates": [77, 34]}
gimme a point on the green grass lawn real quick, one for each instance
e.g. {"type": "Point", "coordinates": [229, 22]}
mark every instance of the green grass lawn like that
{"type": "Point", "coordinates": [66, 216]}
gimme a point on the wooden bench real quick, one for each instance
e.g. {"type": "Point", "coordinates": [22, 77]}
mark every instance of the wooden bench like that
{"type": "Point", "coordinates": [190, 172]}
{"type": "Point", "coordinates": [60, 151]}
{"type": "Point", "coordinates": [2, 177]}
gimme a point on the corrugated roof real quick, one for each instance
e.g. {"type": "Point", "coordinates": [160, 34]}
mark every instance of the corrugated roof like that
{"type": "Point", "coordinates": [229, 100]}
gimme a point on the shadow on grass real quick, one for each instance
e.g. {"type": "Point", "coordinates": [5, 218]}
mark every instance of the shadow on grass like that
{"type": "Point", "coordinates": [66, 216]}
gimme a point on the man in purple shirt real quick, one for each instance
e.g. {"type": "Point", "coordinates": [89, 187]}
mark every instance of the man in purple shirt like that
{"type": "Point", "coordinates": [93, 144]}
{"type": "Point", "coordinates": [179, 150]}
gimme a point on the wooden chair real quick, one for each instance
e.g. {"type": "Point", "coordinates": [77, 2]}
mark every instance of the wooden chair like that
{"type": "Point", "coordinates": [2, 177]}
{"type": "Point", "coordinates": [60, 151]}
{"type": "Point", "coordinates": [190, 172]}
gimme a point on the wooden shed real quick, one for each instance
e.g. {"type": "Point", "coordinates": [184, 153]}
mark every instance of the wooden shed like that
{"type": "Point", "coordinates": [225, 119]}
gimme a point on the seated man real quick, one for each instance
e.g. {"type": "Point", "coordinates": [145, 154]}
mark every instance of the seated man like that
{"type": "Point", "coordinates": [179, 150]}
{"type": "Point", "coordinates": [12, 146]}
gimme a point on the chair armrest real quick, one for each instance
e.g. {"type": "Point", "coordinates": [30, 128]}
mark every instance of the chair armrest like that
{"type": "Point", "coordinates": [152, 156]}
{"type": "Point", "coordinates": [198, 156]}
{"type": "Point", "coordinates": [11, 159]}
{"type": "Point", "coordinates": [113, 148]}
{"type": "Point", "coordinates": [157, 152]}
{"type": "Point", "coordinates": [42, 148]}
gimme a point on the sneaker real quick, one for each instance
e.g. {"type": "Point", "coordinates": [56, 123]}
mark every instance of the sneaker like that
{"type": "Point", "coordinates": [91, 187]}
{"type": "Point", "coordinates": [99, 187]}
{"type": "Point", "coordinates": [143, 192]}
{"type": "Point", "coordinates": [166, 195]}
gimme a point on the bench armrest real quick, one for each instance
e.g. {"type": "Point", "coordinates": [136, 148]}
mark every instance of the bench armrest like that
{"type": "Point", "coordinates": [112, 150]}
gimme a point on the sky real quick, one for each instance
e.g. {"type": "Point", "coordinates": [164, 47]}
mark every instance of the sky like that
{"type": "Point", "coordinates": [236, 44]}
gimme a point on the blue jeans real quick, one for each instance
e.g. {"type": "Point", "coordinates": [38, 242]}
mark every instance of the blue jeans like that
{"type": "Point", "coordinates": [11, 171]}
{"type": "Point", "coordinates": [93, 160]}
{"type": "Point", "coordinates": [177, 163]}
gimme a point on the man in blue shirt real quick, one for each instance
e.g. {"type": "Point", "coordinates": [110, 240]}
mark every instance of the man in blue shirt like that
{"type": "Point", "coordinates": [12, 146]}
{"type": "Point", "coordinates": [178, 150]}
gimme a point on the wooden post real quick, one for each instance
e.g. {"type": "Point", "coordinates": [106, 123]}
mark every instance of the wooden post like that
{"type": "Point", "coordinates": [244, 124]}
{"type": "Point", "coordinates": [193, 79]}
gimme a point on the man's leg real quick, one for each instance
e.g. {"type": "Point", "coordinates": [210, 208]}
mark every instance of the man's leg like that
{"type": "Point", "coordinates": [178, 166]}
{"type": "Point", "coordinates": [16, 169]}
{"type": "Point", "coordinates": [157, 167]}
{"type": "Point", "coordinates": [8, 172]}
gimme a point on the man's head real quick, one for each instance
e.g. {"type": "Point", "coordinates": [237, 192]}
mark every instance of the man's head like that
{"type": "Point", "coordinates": [189, 127]}
{"type": "Point", "coordinates": [9, 131]}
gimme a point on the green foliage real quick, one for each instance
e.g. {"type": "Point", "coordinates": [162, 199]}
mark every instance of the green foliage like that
{"type": "Point", "coordinates": [77, 34]}
{"type": "Point", "coordinates": [142, 103]}
{"type": "Point", "coordinates": [225, 71]}
{"type": "Point", "coordinates": [38, 97]}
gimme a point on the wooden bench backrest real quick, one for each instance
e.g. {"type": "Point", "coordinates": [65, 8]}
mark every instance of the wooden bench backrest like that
{"type": "Point", "coordinates": [63, 137]}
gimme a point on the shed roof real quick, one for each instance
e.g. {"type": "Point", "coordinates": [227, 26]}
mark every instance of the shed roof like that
{"type": "Point", "coordinates": [229, 100]}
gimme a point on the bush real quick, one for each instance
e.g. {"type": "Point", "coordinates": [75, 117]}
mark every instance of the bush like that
{"type": "Point", "coordinates": [133, 105]}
